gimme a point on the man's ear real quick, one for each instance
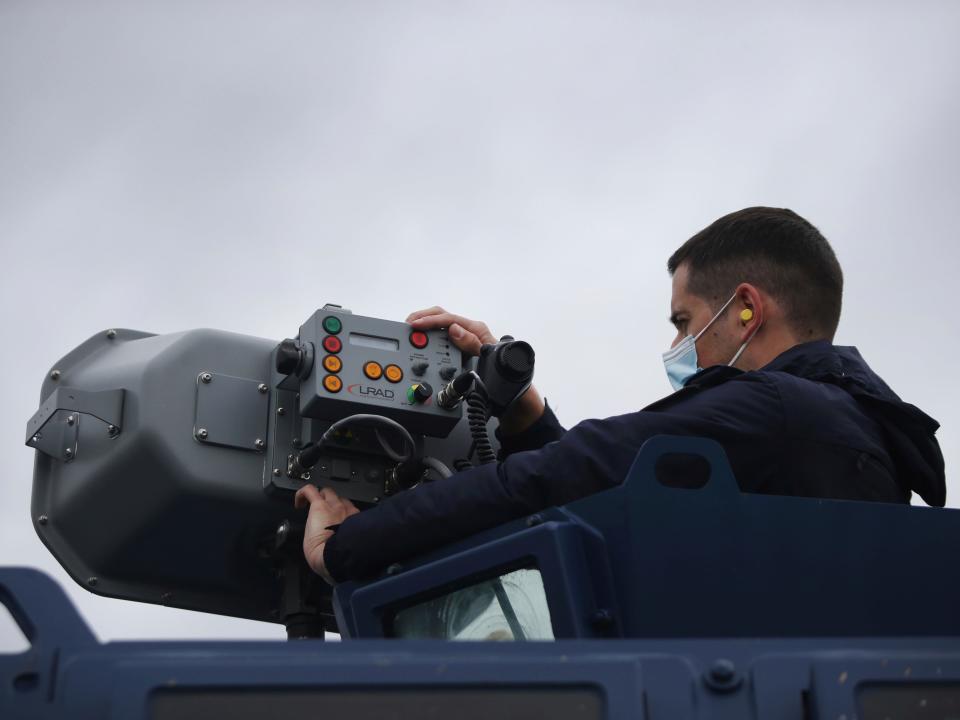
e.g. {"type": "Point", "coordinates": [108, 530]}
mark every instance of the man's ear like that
{"type": "Point", "coordinates": [749, 310]}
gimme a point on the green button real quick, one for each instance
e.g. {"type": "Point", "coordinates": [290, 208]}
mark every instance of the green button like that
{"type": "Point", "coordinates": [332, 325]}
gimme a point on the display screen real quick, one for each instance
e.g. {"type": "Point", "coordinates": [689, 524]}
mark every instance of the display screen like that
{"type": "Point", "coordinates": [372, 341]}
{"type": "Point", "coordinates": [376, 703]}
{"type": "Point", "coordinates": [909, 701]}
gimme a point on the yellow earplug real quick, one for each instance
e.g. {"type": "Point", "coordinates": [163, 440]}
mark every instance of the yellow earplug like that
{"type": "Point", "coordinates": [746, 315]}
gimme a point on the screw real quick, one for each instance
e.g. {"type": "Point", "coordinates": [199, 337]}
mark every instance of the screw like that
{"type": "Point", "coordinates": [722, 677]}
{"type": "Point", "coordinates": [55, 375]}
{"type": "Point", "coordinates": [43, 519]}
{"type": "Point", "coordinates": [376, 499]}
{"type": "Point", "coordinates": [68, 452]}
{"type": "Point", "coordinates": [276, 472]}
{"type": "Point", "coordinates": [206, 377]}
{"type": "Point", "coordinates": [111, 334]}
{"type": "Point", "coordinates": [113, 430]}
{"type": "Point", "coordinates": [262, 388]}
{"type": "Point", "coordinates": [534, 520]}
{"type": "Point", "coordinates": [258, 444]}
{"type": "Point", "coordinates": [202, 433]}
{"type": "Point", "coordinates": [92, 581]}
{"type": "Point", "coordinates": [281, 411]}
{"type": "Point", "coordinates": [71, 419]}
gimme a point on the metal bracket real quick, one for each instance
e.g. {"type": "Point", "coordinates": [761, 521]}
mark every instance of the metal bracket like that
{"type": "Point", "coordinates": [231, 411]}
{"type": "Point", "coordinates": [54, 428]}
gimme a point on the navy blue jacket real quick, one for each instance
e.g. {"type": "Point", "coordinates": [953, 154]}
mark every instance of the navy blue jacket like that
{"type": "Point", "coordinates": [815, 422]}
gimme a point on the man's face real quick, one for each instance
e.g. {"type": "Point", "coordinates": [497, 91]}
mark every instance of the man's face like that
{"type": "Point", "coordinates": [690, 313]}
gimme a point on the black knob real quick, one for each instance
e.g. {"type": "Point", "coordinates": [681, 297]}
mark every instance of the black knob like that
{"type": "Point", "coordinates": [419, 368]}
{"type": "Point", "coordinates": [289, 357]}
{"type": "Point", "coordinates": [420, 393]}
{"type": "Point", "coordinates": [448, 372]}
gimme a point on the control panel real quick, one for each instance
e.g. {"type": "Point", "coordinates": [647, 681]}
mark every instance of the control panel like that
{"type": "Point", "coordinates": [354, 364]}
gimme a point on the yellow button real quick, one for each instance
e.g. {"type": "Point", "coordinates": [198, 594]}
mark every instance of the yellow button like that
{"type": "Point", "coordinates": [373, 370]}
{"type": "Point", "coordinates": [332, 383]}
{"type": "Point", "coordinates": [393, 373]}
{"type": "Point", "coordinates": [332, 363]}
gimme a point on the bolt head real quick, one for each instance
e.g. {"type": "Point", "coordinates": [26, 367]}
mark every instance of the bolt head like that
{"type": "Point", "coordinates": [206, 377]}
{"type": "Point", "coordinates": [71, 419]}
{"type": "Point", "coordinates": [55, 375]}
{"type": "Point", "coordinates": [43, 519]}
{"type": "Point", "coordinates": [113, 430]}
{"type": "Point", "coordinates": [202, 433]}
{"type": "Point", "coordinates": [276, 472]}
{"type": "Point", "coordinates": [92, 581]}
{"type": "Point", "coordinates": [111, 334]}
{"type": "Point", "coordinates": [68, 452]}
{"type": "Point", "coordinates": [281, 411]}
{"type": "Point", "coordinates": [259, 444]}
{"type": "Point", "coordinates": [262, 388]}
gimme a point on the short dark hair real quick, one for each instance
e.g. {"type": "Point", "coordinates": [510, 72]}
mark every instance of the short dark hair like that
{"type": "Point", "coordinates": [776, 250]}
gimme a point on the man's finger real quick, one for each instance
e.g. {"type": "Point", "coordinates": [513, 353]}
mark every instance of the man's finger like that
{"type": "Point", "coordinates": [351, 508]}
{"type": "Point", "coordinates": [435, 310]}
{"type": "Point", "coordinates": [464, 339]}
{"type": "Point", "coordinates": [447, 319]}
{"type": "Point", "coordinates": [306, 495]}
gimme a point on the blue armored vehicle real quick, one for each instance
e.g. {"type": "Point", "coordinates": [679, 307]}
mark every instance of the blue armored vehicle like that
{"type": "Point", "coordinates": [165, 471]}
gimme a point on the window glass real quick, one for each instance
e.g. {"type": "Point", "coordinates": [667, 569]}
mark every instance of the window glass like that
{"type": "Point", "coordinates": [510, 607]}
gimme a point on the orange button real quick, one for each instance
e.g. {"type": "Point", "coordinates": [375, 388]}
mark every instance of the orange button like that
{"type": "Point", "coordinates": [373, 370]}
{"type": "Point", "coordinates": [332, 363]}
{"type": "Point", "coordinates": [393, 373]}
{"type": "Point", "coordinates": [332, 383]}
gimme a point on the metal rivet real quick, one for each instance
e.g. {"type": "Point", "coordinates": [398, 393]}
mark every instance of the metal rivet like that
{"type": "Point", "coordinates": [534, 520]}
{"type": "Point", "coordinates": [71, 419]}
{"type": "Point", "coordinates": [113, 430]}
{"type": "Point", "coordinates": [111, 334]}
{"type": "Point", "coordinates": [202, 433]}
{"type": "Point", "coordinates": [92, 581]}
{"type": "Point", "coordinates": [55, 375]}
{"type": "Point", "coordinates": [262, 388]}
{"type": "Point", "coordinates": [376, 499]}
{"type": "Point", "coordinates": [68, 452]}
{"type": "Point", "coordinates": [43, 519]}
{"type": "Point", "coordinates": [394, 569]}
{"type": "Point", "coordinates": [258, 444]}
{"type": "Point", "coordinates": [280, 411]}
{"type": "Point", "coordinates": [206, 377]}
{"type": "Point", "coordinates": [722, 676]}
{"type": "Point", "coordinates": [276, 472]}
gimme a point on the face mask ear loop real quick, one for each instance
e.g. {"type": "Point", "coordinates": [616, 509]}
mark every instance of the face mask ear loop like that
{"type": "Point", "coordinates": [743, 347]}
{"type": "Point", "coordinates": [714, 318]}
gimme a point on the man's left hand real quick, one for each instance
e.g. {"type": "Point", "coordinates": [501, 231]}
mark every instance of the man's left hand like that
{"type": "Point", "coordinates": [326, 509]}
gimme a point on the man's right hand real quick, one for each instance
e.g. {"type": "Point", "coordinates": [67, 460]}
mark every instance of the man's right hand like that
{"type": "Point", "coordinates": [469, 336]}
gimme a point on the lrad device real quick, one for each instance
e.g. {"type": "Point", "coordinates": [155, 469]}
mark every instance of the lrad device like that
{"type": "Point", "coordinates": [166, 464]}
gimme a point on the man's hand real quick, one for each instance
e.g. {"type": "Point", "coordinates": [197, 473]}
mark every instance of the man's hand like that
{"type": "Point", "coordinates": [469, 335]}
{"type": "Point", "coordinates": [326, 509]}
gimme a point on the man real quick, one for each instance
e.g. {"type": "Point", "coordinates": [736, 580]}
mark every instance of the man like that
{"type": "Point", "coordinates": [756, 302]}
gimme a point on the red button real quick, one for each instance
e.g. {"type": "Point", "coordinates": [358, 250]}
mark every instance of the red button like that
{"type": "Point", "coordinates": [332, 344]}
{"type": "Point", "coordinates": [418, 339]}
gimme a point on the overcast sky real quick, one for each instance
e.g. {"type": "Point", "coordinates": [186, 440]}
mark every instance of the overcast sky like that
{"type": "Point", "coordinates": [236, 165]}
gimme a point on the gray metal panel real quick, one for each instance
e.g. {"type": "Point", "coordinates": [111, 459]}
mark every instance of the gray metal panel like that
{"type": "Point", "coordinates": [231, 411]}
{"type": "Point", "coordinates": [107, 405]}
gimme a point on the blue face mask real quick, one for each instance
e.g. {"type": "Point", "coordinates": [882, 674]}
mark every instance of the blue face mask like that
{"type": "Point", "coordinates": [681, 360]}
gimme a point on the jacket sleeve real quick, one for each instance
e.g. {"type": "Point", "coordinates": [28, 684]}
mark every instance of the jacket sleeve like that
{"type": "Point", "coordinates": [594, 455]}
{"type": "Point", "coordinates": [545, 430]}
